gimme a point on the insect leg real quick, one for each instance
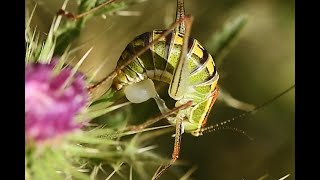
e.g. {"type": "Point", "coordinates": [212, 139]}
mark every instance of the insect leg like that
{"type": "Point", "coordinates": [158, 118]}
{"type": "Point", "coordinates": [178, 84]}
{"type": "Point", "coordinates": [79, 16]}
{"type": "Point", "coordinates": [176, 149]}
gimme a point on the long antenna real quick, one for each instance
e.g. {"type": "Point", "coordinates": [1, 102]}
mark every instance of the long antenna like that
{"type": "Point", "coordinates": [218, 125]}
{"type": "Point", "coordinates": [180, 14]}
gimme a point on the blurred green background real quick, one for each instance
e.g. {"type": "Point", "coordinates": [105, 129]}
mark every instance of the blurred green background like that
{"type": "Point", "coordinates": [259, 66]}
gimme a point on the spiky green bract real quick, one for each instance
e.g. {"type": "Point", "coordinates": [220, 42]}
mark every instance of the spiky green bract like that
{"type": "Point", "coordinates": [104, 147]}
{"type": "Point", "coordinates": [94, 153]}
{"type": "Point", "coordinates": [64, 31]}
{"type": "Point", "coordinates": [41, 49]}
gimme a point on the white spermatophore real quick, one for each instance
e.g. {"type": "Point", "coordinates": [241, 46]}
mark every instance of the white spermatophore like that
{"type": "Point", "coordinates": [141, 91]}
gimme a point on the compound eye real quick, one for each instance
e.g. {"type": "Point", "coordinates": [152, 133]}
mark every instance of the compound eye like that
{"type": "Point", "coordinates": [141, 91]}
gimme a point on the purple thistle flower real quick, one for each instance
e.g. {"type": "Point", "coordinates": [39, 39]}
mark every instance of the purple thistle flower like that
{"type": "Point", "coordinates": [50, 108]}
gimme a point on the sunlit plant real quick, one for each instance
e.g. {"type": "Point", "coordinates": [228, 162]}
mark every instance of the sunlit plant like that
{"type": "Point", "coordinates": [64, 138]}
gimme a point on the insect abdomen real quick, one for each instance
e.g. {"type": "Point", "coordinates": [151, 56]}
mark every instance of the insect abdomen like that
{"type": "Point", "coordinates": [160, 61]}
{"type": "Point", "coordinates": [151, 64]}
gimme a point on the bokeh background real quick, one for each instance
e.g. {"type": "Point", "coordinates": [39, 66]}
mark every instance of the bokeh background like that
{"type": "Point", "coordinates": [258, 67]}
